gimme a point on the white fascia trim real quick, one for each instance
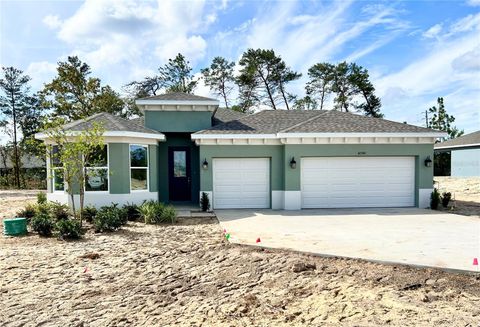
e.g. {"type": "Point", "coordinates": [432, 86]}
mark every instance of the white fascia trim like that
{"type": "Point", "coordinates": [311, 135]}
{"type": "Point", "coordinates": [456, 146]}
{"type": "Point", "coordinates": [232, 136]}
{"type": "Point", "coordinates": [161, 137]}
{"type": "Point", "coordinates": [320, 135]}
{"type": "Point", "coordinates": [175, 102]}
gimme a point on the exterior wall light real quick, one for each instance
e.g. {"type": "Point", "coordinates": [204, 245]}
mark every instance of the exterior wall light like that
{"type": "Point", "coordinates": [293, 163]}
{"type": "Point", "coordinates": [205, 164]}
{"type": "Point", "coordinates": [428, 162]}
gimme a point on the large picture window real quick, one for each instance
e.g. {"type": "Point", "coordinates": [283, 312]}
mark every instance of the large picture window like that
{"type": "Point", "coordinates": [57, 171]}
{"type": "Point", "coordinates": [138, 167]}
{"type": "Point", "coordinates": [96, 170]}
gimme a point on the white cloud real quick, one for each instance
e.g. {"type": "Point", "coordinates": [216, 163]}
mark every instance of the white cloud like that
{"type": "Point", "coordinates": [473, 3]}
{"type": "Point", "coordinates": [52, 21]}
{"type": "Point", "coordinates": [433, 31]}
{"type": "Point", "coordinates": [132, 32]}
{"type": "Point", "coordinates": [451, 64]}
{"type": "Point", "coordinates": [41, 72]}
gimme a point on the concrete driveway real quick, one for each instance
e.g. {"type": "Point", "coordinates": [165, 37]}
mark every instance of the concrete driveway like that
{"type": "Point", "coordinates": [407, 235]}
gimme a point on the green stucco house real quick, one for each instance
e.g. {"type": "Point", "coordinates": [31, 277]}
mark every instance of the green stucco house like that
{"type": "Point", "coordinates": [185, 145]}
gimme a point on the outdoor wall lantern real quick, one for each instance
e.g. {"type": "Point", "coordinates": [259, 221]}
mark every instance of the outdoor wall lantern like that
{"type": "Point", "coordinates": [293, 163]}
{"type": "Point", "coordinates": [428, 162]}
{"type": "Point", "coordinates": [205, 164]}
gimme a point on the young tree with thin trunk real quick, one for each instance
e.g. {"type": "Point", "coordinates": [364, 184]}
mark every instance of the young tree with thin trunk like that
{"type": "Point", "coordinates": [219, 77]}
{"type": "Point", "coordinates": [73, 152]}
{"type": "Point", "coordinates": [14, 86]}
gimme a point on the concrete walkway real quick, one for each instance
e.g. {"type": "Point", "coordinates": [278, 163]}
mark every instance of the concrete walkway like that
{"type": "Point", "coordinates": [408, 235]}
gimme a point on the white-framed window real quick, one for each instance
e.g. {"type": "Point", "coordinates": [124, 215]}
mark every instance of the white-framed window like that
{"type": "Point", "coordinates": [56, 167]}
{"type": "Point", "coordinates": [96, 171]}
{"type": "Point", "coordinates": [139, 163]}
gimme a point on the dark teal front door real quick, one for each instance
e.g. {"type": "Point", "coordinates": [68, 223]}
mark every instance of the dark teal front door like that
{"type": "Point", "coordinates": [179, 173]}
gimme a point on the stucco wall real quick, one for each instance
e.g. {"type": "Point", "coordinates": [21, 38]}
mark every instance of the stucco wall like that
{"type": "Point", "coordinates": [286, 179]}
{"type": "Point", "coordinates": [178, 121]}
{"type": "Point", "coordinates": [465, 162]}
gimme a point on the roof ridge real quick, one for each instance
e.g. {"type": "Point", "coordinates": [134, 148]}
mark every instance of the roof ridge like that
{"type": "Point", "coordinates": [301, 123]}
{"type": "Point", "coordinates": [81, 120]}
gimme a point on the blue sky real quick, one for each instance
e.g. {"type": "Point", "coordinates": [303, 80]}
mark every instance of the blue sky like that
{"type": "Point", "coordinates": [415, 51]}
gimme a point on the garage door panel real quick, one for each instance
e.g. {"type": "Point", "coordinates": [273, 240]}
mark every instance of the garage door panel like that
{"type": "Point", "coordinates": [241, 183]}
{"type": "Point", "coordinates": [341, 182]}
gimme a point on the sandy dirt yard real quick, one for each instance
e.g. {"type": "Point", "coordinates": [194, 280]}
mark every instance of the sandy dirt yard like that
{"type": "Point", "coordinates": [465, 191]}
{"type": "Point", "coordinates": [188, 275]}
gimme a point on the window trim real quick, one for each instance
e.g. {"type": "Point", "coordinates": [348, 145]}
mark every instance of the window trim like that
{"type": "Point", "coordinates": [108, 174]}
{"type": "Point", "coordinates": [53, 170]}
{"type": "Point", "coordinates": [130, 168]}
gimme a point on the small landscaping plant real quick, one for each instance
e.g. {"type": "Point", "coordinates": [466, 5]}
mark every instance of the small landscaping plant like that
{"type": "Point", "coordinates": [446, 197]}
{"type": "Point", "coordinates": [434, 199]}
{"type": "Point", "coordinates": [42, 223]}
{"type": "Point", "coordinates": [205, 202]}
{"type": "Point", "coordinates": [41, 198]}
{"type": "Point", "coordinates": [59, 211]}
{"type": "Point", "coordinates": [89, 213]}
{"type": "Point", "coordinates": [109, 218]}
{"type": "Point", "coordinates": [69, 229]}
{"type": "Point", "coordinates": [28, 212]}
{"type": "Point", "coordinates": [132, 211]}
{"type": "Point", "coordinates": [154, 212]}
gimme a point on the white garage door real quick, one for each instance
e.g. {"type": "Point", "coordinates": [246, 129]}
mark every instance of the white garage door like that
{"type": "Point", "coordinates": [241, 183]}
{"type": "Point", "coordinates": [346, 182]}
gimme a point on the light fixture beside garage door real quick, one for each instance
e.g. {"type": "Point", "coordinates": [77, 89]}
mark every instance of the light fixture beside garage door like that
{"type": "Point", "coordinates": [205, 164]}
{"type": "Point", "coordinates": [293, 163]}
{"type": "Point", "coordinates": [428, 162]}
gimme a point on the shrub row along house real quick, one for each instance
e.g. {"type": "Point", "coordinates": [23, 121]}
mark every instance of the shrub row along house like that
{"type": "Point", "coordinates": [185, 145]}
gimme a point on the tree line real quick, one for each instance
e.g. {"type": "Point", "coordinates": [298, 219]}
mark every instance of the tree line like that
{"type": "Point", "coordinates": [261, 78]}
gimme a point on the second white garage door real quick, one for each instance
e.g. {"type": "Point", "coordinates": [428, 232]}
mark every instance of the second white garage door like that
{"type": "Point", "coordinates": [350, 182]}
{"type": "Point", "coordinates": [241, 183]}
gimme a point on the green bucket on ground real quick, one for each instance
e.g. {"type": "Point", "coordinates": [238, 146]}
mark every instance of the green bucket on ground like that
{"type": "Point", "coordinates": [15, 226]}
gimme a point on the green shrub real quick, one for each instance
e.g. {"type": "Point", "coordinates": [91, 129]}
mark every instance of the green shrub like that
{"type": "Point", "coordinates": [169, 214]}
{"type": "Point", "coordinates": [446, 197]}
{"type": "Point", "coordinates": [28, 212]}
{"type": "Point", "coordinates": [131, 211]}
{"type": "Point", "coordinates": [205, 202]}
{"type": "Point", "coordinates": [59, 211]}
{"type": "Point", "coordinates": [43, 209]}
{"type": "Point", "coordinates": [434, 199]}
{"type": "Point", "coordinates": [89, 213]}
{"type": "Point", "coordinates": [109, 218]}
{"type": "Point", "coordinates": [154, 212]}
{"type": "Point", "coordinates": [41, 198]}
{"type": "Point", "coordinates": [69, 229]}
{"type": "Point", "coordinates": [42, 224]}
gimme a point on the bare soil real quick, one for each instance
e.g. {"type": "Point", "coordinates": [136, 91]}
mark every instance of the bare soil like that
{"type": "Point", "coordinates": [187, 274]}
{"type": "Point", "coordinates": [465, 194]}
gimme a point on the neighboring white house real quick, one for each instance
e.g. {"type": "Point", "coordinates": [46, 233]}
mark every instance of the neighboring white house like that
{"type": "Point", "coordinates": [465, 154]}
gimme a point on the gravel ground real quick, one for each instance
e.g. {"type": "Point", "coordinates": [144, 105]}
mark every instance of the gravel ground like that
{"type": "Point", "coordinates": [465, 192]}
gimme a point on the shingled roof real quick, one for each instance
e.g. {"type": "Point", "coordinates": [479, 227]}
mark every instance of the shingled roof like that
{"type": "Point", "coordinates": [312, 121]}
{"type": "Point", "coordinates": [178, 96]}
{"type": "Point", "coordinates": [109, 123]}
{"type": "Point", "coordinates": [224, 115]}
{"type": "Point", "coordinates": [464, 141]}
{"type": "Point", "coordinates": [113, 126]}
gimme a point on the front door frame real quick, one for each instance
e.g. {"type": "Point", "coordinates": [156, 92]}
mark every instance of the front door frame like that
{"type": "Point", "coordinates": [174, 182]}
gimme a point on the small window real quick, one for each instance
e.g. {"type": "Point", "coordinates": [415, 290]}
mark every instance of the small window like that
{"type": "Point", "coordinates": [57, 170]}
{"type": "Point", "coordinates": [138, 167]}
{"type": "Point", "coordinates": [179, 164]}
{"type": "Point", "coordinates": [96, 170]}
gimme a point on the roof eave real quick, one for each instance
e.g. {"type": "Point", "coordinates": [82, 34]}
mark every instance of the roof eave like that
{"type": "Point", "coordinates": [154, 136]}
